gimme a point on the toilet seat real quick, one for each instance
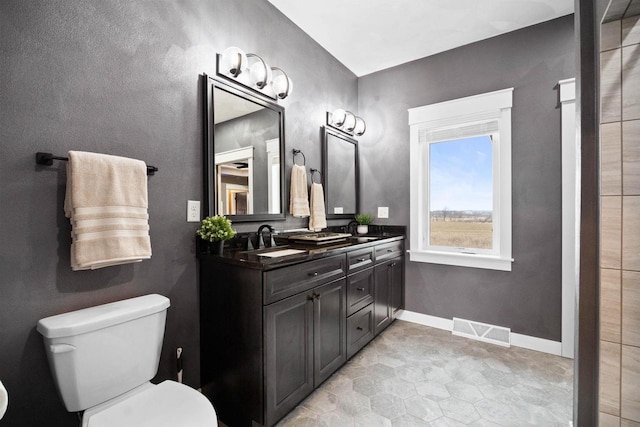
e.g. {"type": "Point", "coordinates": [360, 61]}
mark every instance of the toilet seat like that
{"type": "Point", "coordinates": [168, 404]}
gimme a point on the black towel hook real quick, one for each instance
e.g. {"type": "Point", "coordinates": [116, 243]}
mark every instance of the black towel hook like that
{"type": "Point", "coordinates": [304, 159]}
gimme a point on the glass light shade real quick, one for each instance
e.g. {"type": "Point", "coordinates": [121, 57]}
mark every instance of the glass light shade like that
{"type": "Point", "coordinates": [259, 72]}
{"type": "Point", "coordinates": [282, 84]}
{"type": "Point", "coordinates": [233, 60]}
{"type": "Point", "coordinates": [349, 122]}
{"type": "Point", "coordinates": [360, 126]}
{"type": "Point", "coordinates": [338, 117]}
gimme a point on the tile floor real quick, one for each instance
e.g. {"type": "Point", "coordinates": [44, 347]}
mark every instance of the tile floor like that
{"type": "Point", "coordinates": [412, 375]}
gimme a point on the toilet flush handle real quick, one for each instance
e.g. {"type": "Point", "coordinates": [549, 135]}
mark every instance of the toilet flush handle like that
{"type": "Point", "coordinates": [61, 348]}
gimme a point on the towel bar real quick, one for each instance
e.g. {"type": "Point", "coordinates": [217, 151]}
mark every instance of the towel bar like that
{"type": "Point", "coordinates": [46, 159]}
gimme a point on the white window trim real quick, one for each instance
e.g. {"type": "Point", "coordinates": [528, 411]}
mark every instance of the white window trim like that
{"type": "Point", "coordinates": [479, 108]}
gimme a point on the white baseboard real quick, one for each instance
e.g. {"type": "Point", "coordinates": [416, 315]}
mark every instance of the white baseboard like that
{"type": "Point", "coordinates": [517, 340]}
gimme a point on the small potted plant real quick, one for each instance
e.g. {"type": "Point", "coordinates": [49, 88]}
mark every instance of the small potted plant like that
{"type": "Point", "coordinates": [215, 230]}
{"type": "Point", "coordinates": [363, 221]}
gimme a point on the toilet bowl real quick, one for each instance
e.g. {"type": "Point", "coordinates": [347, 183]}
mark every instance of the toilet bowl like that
{"type": "Point", "coordinates": [102, 360]}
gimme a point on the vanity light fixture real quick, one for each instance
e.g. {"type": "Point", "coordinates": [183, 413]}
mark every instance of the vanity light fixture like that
{"type": "Point", "coordinates": [282, 84]}
{"type": "Point", "coordinates": [252, 71]}
{"type": "Point", "coordinates": [347, 122]}
{"type": "Point", "coordinates": [232, 61]}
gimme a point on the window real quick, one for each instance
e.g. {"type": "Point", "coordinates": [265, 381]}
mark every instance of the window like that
{"type": "Point", "coordinates": [461, 182]}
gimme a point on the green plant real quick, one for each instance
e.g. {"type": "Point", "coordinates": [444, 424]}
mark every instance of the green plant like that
{"type": "Point", "coordinates": [215, 228]}
{"type": "Point", "coordinates": [364, 219]}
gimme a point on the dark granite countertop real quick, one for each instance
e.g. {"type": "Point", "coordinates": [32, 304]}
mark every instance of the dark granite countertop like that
{"type": "Point", "coordinates": [252, 259]}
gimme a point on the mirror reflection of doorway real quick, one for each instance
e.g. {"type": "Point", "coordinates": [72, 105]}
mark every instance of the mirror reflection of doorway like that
{"type": "Point", "coordinates": [234, 181]}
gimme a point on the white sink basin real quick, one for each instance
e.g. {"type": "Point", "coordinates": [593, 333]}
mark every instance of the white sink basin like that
{"type": "Point", "coordinates": [281, 253]}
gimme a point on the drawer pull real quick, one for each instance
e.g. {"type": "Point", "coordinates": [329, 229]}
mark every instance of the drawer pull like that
{"type": "Point", "coordinates": [317, 296]}
{"type": "Point", "coordinates": [362, 259]}
{"type": "Point", "coordinates": [360, 289]}
{"type": "Point", "coordinates": [389, 250]}
{"type": "Point", "coordinates": [310, 297]}
{"type": "Point", "coordinates": [359, 328]}
{"type": "Point", "coordinates": [314, 274]}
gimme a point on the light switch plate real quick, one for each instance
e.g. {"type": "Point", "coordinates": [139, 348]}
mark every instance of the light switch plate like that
{"type": "Point", "coordinates": [193, 210]}
{"type": "Point", "coordinates": [383, 212]}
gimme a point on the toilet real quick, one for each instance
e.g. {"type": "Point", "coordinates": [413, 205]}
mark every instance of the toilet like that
{"type": "Point", "coordinates": [102, 360]}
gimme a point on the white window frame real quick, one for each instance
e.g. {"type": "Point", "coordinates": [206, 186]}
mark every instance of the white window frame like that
{"type": "Point", "coordinates": [447, 116]}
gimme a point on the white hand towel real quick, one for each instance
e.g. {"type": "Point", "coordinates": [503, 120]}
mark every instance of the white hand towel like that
{"type": "Point", "coordinates": [299, 196]}
{"type": "Point", "coordinates": [4, 400]}
{"type": "Point", "coordinates": [318, 219]}
{"type": "Point", "coordinates": [106, 201]}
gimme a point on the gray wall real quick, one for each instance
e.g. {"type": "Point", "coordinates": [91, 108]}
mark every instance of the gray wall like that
{"type": "Point", "coordinates": [532, 60]}
{"type": "Point", "coordinates": [122, 78]}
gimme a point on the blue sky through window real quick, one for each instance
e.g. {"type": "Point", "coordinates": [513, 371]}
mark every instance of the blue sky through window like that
{"type": "Point", "coordinates": [461, 175]}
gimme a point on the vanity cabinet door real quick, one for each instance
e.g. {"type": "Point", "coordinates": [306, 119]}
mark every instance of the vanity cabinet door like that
{"type": "Point", "coordinates": [396, 274]}
{"type": "Point", "coordinates": [288, 342]}
{"type": "Point", "coordinates": [329, 329]}
{"type": "Point", "coordinates": [382, 297]}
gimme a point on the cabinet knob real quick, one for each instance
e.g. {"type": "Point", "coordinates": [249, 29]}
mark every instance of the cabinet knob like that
{"type": "Point", "coordinates": [317, 296]}
{"type": "Point", "coordinates": [359, 328]}
{"type": "Point", "coordinates": [314, 274]}
{"type": "Point", "coordinates": [310, 297]}
{"type": "Point", "coordinates": [393, 264]}
{"type": "Point", "coordinates": [362, 259]}
{"type": "Point", "coordinates": [360, 289]}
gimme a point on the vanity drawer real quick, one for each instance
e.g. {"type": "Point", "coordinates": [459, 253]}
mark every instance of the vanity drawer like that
{"type": "Point", "coordinates": [359, 290]}
{"type": "Point", "coordinates": [360, 259]}
{"type": "Point", "coordinates": [287, 281]}
{"type": "Point", "coordinates": [388, 251]}
{"type": "Point", "coordinates": [359, 330]}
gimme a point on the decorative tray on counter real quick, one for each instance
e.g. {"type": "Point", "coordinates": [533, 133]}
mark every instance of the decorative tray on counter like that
{"type": "Point", "coordinates": [319, 238]}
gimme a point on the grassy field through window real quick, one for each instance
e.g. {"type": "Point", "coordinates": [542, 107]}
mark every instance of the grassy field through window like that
{"type": "Point", "coordinates": [462, 234]}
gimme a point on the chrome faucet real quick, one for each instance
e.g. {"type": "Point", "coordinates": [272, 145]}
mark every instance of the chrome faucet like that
{"type": "Point", "coordinates": [261, 237]}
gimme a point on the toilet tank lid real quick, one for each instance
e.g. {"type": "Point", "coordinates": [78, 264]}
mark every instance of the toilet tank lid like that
{"type": "Point", "coordinates": [101, 316]}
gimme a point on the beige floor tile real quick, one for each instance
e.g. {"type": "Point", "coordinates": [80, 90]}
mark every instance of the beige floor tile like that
{"type": "Point", "coordinates": [610, 231]}
{"type": "Point", "coordinates": [610, 34]}
{"type": "Point", "coordinates": [434, 388]}
{"type": "Point", "coordinates": [631, 233]}
{"type": "Point", "coordinates": [610, 305]}
{"type": "Point", "coordinates": [609, 378]}
{"type": "Point", "coordinates": [630, 400]}
{"type": "Point", "coordinates": [611, 159]}
{"type": "Point", "coordinates": [631, 157]}
{"type": "Point", "coordinates": [611, 85]}
{"type": "Point", "coordinates": [630, 82]}
{"type": "Point", "coordinates": [631, 308]}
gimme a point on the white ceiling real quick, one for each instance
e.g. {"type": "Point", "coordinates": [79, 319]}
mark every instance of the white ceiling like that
{"type": "Point", "coordinates": [371, 35]}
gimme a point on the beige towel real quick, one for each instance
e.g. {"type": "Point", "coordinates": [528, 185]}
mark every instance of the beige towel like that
{"type": "Point", "coordinates": [299, 196]}
{"type": "Point", "coordinates": [106, 201]}
{"type": "Point", "coordinates": [318, 219]}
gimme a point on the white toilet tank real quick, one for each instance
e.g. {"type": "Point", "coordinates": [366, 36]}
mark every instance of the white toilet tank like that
{"type": "Point", "coordinates": [98, 353]}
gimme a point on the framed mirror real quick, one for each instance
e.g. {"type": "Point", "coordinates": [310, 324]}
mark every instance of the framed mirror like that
{"type": "Point", "coordinates": [243, 152]}
{"type": "Point", "coordinates": [340, 172]}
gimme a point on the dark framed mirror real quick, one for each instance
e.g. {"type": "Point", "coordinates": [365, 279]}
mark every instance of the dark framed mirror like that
{"type": "Point", "coordinates": [243, 153]}
{"type": "Point", "coordinates": [340, 172]}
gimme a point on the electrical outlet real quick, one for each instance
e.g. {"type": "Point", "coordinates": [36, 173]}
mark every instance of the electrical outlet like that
{"type": "Point", "coordinates": [383, 212]}
{"type": "Point", "coordinates": [193, 210]}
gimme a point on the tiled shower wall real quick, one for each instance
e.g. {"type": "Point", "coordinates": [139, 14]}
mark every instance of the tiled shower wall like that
{"type": "Point", "coordinates": [620, 223]}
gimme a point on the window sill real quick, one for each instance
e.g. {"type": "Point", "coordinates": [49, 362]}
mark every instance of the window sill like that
{"type": "Point", "coordinates": [462, 260]}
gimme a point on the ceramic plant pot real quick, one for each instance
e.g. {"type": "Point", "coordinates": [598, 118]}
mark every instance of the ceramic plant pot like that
{"type": "Point", "coordinates": [362, 229]}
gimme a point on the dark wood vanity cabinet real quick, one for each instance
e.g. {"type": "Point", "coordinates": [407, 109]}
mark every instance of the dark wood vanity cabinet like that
{"type": "Point", "coordinates": [271, 335]}
{"type": "Point", "coordinates": [389, 281]}
{"type": "Point", "coordinates": [305, 342]}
